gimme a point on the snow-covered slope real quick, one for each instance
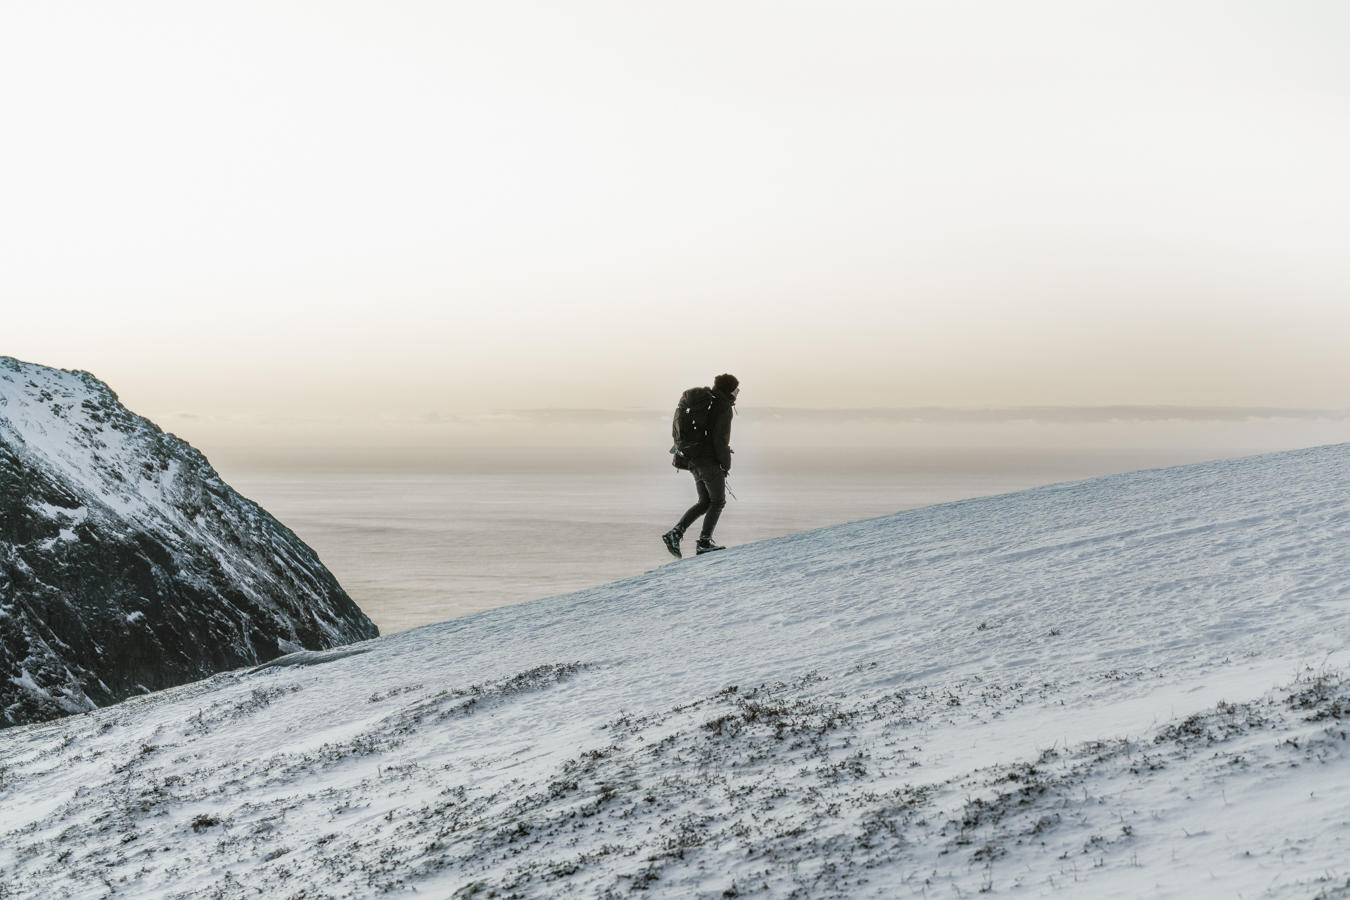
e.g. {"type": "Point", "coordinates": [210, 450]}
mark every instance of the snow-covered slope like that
{"type": "Point", "coordinates": [1132, 686]}
{"type": "Point", "coordinates": [127, 565]}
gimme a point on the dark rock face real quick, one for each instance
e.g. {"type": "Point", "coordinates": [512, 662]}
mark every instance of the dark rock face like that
{"type": "Point", "coordinates": [127, 565]}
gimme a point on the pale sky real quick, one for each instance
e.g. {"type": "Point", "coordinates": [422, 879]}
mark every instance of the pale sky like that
{"type": "Point", "coordinates": [278, 222]}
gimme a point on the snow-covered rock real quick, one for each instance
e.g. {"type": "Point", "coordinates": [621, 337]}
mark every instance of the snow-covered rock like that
{"type": "Point", "coordinates": [1135, 686]}
{"type": "Point", "coordinates": [127, 565]}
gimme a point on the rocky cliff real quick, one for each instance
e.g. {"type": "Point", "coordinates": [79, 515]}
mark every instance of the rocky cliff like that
{"type": "Point", "coordinates": [127, 565]}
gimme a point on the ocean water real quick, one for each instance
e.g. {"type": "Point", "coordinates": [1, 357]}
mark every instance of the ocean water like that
{"type": "Point", "coordinates": [415, 548]}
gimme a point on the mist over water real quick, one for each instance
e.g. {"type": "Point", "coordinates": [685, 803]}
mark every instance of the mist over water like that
{"type": "Point", "coordinates": [414, 548]}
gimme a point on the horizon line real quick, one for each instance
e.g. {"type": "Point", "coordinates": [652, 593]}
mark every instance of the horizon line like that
{"type": "Point", "coordinates": [1045, 413]}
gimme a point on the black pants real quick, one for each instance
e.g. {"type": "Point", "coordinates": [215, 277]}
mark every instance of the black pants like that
{"type": "Point", "coordinates": [711, 483]}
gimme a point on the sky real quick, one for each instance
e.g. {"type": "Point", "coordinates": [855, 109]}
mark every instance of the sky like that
{"type": "Point", "coordinates": [281, 226]}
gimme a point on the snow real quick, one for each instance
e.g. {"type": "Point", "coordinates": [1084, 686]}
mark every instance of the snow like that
{"type": "Point", "coordinates": [1130, 686]}
{"type": "Point", "coordinates": [53, 414]}
{"type": "Point", "coordinates": [304, 657]}
{"type": "Point", "coordinates": [61, 514]}
{"type": "Point", "coordinates": [26, 681]}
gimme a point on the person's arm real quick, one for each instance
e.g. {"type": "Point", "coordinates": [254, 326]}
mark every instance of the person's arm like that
{"type": "Point", "coordinates": [721, 438]}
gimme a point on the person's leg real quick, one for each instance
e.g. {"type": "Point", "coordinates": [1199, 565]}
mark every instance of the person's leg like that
{"type": "Point", "coordinates": [713, 485]}
{"type": "Point", "coordinates": [698, 508]}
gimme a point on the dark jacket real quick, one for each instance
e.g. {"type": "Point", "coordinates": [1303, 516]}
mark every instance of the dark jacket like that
{"type": "Point", "coordinates": [718, 445]}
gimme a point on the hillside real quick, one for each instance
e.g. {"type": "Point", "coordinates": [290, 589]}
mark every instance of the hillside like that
{"type": "Point", "coordinates": [1130, 686]}
{"type": "Point", "coordinates": [127, 565]}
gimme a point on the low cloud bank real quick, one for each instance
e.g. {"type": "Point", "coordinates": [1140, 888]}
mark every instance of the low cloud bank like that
{"type": "Point", "coordinates": [945, 415]}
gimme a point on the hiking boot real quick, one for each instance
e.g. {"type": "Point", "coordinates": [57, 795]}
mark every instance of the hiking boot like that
{"type": "Point", "coordinates": [672, 541]}
{"type": "Point", "coordinates": [705, 545]}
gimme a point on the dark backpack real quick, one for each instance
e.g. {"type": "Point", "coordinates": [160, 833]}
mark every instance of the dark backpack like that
{"type": "Point", "coordinates": [693, 424]}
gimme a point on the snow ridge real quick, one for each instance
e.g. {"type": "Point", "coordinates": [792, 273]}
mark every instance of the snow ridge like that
{"type": "Point", "coordinates": [127, 564]}
{"type": "Point", "coordinates": [1131, 686]}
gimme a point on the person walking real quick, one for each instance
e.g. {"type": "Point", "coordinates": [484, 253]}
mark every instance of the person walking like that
{"type": "Point", "coordinates": [702, 433]}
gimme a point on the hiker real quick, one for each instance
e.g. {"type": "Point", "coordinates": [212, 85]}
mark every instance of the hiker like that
{"type": "Point", "coordinates": [702, 433]}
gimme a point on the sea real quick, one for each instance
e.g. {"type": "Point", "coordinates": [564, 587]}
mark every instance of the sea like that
{"type": "Point", "coordinates": [417, 547]}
